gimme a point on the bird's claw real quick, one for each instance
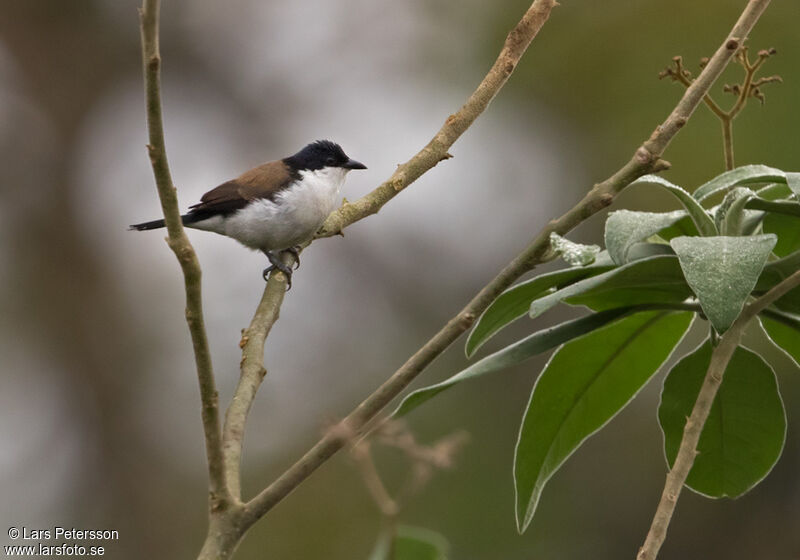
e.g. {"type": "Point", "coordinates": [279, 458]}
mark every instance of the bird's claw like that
{"type": "Point", "coordinates": [295, 251]}
{"type": "Point", "coordinates": [277, 264]}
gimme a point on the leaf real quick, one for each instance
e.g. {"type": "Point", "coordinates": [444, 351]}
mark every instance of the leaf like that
{"type": "Point", "coordinates": [787, 228]}
{"type": "Point", "coordinates": [705, 225]}
{"type": "Point", "coordinates": [684, 226]}
{"type": "Point", "coordinates": [777, 271]}
{"type": "Point", "coordinates": [793, 181]}
{"type": "Point", "coordinates": [415, 543]}
{"type": "Point", "coordinates": [639, 251]}
{"type": "Point", "coordinates": [514, 302]}
{"type": "Point", "coordinates": [574, 254]}
{"type": "Point", "coordinates": [731, 215]}
{"type": "Point", "coordinates": [774, 191]}
{"type": "Point", "coordinates": [624, 228]}
{"type": "Point", "coordinates": [518, 352]}
{"type": "Point", "coordinates": [722, 271]}
{"type": "Point", "coordinates": [410, 543]}
{"type": "Point", "coordinates": [744, 434]}
{"type": "Point", "coordinates": [650, 280]}
{"type": "Point", "coordinates": [585, 383]}
{"type": "Point", "coordinates": [745, 175]}
{"type": "Point", "coordinates": [783, 330]}
{"type": "Point", "coordinates": [786, 207]}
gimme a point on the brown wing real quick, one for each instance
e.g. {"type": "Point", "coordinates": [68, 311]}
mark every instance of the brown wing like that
{"type": "Point", "coordinates": [264, 181]}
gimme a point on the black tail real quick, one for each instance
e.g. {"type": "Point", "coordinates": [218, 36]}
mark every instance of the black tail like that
{"type": "Point", "coordinates": [187, 219]}
{"type": "Point", "coordinates": [155, 224]}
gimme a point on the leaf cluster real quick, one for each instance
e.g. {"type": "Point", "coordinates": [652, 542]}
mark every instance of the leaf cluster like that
{"type": "Point", "coordinates": [659, 273]}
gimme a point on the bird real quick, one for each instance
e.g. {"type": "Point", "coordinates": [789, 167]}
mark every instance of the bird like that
{"type": "Point", "coordinates": [274, 207]}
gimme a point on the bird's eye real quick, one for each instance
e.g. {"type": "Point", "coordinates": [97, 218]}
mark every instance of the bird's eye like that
{"type": "Point", "coordinates": [330, 161]}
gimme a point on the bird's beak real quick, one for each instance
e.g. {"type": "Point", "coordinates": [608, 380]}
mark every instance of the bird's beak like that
{"type": "Point", "coordinates": [353, 164]}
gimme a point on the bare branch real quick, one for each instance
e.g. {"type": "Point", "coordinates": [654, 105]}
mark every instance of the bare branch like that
{"type": "Point", "coordinates": [456, 124]}
{"type": "Point", "coordinates": [252, 374]}
{"type": "Point", "coordinates": [645, 159]}
{"type": "Point", "coordinates": [218, 493]}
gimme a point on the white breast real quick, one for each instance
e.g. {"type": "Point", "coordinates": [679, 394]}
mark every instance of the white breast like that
{"type": "Point", "coordinates": [294, 217]}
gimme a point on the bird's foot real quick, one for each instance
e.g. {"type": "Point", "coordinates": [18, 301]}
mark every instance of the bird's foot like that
{"type": "Point", "coordinates": [277, 264]}
{"type": "Point", "coordinates": [295, 251]}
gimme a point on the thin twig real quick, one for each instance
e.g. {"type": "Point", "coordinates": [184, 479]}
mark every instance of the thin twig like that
{"type": "Point", "coordinates": [687, 451]}
{"type": "Point", "coordinates": [180, 245]}
{"type": "Point", "coordinates": [646, 159]}
{"type": "Point", "coordinates": [748, 88]}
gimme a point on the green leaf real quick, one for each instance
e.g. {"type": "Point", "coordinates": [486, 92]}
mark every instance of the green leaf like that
{"type": "Point", "coordinates": [624, 228]}
{"type": "Point", "coordinates": [786, 207]}
{"type": "Point", "coordinates": [746, 428]}
{"type": "Point", "coordinates": [586, 383]}
{"type": "Point", "coordinates": [774, 191]}
{"type": "Point", "coordinates": [783, 329]}
{"type": "Point", "coordinates": [574, 254]}
{"type": "Point", "coordinates": [514, 302]}
{"type": "Point", "coordinates": [704, 222]}
{"type": "Point", "coordinates": [731, 215]}
{"type": "Point", "coordinates": [684, 226]}
{"type": "Point", "coordinates": [518, 352]}
{"type": "Point", "coordinates": [722, 271]}
{"type": "Point", "coordinates": [414, 543]}
{"type": "Point", "coordinates": [745, 175]}
{"type": "Point", "coordinates": [410, 543]}
{"type": "Point", "coordinates": [650, 280]}
{"type": "Point", "coordinates": [793, 181]}
{"type": "Point", "coordinates": [787, 228]}
{"type": "Point", "coordinates": [777, 271]}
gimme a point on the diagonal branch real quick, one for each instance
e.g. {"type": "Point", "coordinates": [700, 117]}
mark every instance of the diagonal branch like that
{"type": "Point", "coordinates": [252, 365]}
{"type": "Point", "coordinates": [646, 159]}
{"type": "Point", "coordinates": [180, 245]}
{"type": "Point", "coordinates": [516, 44]}
{"type": "Point", "coordinates": [687, 451]}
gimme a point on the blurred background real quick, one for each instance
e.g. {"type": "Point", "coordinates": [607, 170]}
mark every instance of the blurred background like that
{"type": "Point", "coordinates": [99, 408]}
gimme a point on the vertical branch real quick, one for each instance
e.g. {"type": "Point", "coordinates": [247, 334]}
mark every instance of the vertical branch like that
{"type": "Point", "coordinates": [687, 451]}
{"type": "Point", "coordinates": [180, 245]}
{"type": "Point", "coordinates": [250, 378]}
{"type": "Point", "coordinates": [727, 141]}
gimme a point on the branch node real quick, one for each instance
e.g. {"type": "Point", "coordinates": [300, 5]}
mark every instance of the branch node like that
{"type": "Point", "coordinates": [732, 44]}
{"type": "Point", "coordinates": [154, 62]}
{"type": "Point", "coordinates": [399, 184]}
{"type": "Point", "coordinates": [643, 155]}
{"type": "Point", "coordinates": [466, 319]}
{"type": "Point", "coordinates": [661, 165]}
{"type": "Point", "coordinates": [604, 200]}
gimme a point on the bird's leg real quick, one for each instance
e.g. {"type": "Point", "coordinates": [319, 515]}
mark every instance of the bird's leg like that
{"type": "Point", "coordinates": [277, 264]}
{"type": "Point", "coordinates": [296, 252]}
